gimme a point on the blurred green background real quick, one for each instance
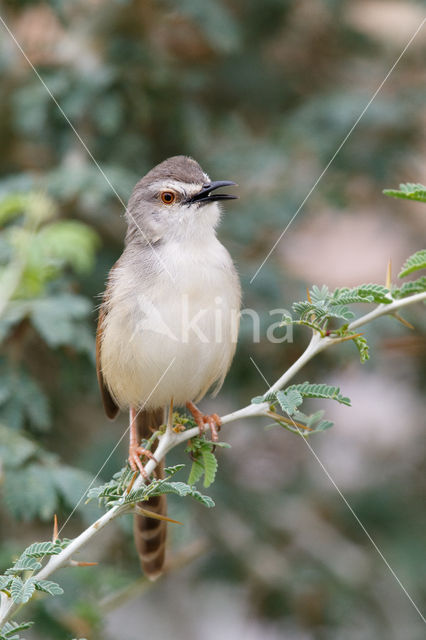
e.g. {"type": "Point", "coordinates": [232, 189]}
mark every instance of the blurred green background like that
{"type": "Point", "coordinates": [261, 93]}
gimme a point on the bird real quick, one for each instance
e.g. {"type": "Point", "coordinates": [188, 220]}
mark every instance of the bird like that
{"type": "Point", "coordinates": [169, 319]}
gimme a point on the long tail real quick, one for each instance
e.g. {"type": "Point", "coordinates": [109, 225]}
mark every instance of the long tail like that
{"type": "Point", "coordinates": [150, 534]}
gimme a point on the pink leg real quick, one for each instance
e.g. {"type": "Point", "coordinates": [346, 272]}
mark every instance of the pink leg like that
{"type": "Point", "coordinates": [212, 421]}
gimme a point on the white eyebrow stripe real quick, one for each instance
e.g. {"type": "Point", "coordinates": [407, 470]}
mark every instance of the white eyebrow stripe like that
{"type": "Point", "coordinates": [181, 187]}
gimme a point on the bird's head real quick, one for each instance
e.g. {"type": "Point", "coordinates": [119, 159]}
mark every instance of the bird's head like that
{"type": "Point", "coordinates": [175, 200]}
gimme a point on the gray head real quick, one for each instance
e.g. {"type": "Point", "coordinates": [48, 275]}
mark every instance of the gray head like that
{"type": "Point", "coordinates": [175, 200]}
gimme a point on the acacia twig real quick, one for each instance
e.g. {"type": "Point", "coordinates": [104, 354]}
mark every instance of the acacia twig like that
{"type": "Point", "coordinates": [170, 439]}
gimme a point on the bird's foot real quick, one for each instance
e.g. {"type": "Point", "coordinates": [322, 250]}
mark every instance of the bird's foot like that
{"type": "Point", "coordinates": [212, 421]}
{"type": "Point", "coordinates": [135, 451]}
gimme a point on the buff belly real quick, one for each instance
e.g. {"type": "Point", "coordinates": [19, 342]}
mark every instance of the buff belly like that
{"type": "Point", "coordinates": [176, 347]}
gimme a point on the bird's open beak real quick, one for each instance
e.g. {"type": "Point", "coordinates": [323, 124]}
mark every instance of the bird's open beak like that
{"type": "Point", "coordinates": [206, 195]}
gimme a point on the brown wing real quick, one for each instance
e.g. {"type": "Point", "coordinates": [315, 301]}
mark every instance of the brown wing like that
{"type": "Point", "coordinates": [110, 407]}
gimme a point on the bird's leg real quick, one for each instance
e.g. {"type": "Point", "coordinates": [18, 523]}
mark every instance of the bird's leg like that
{"type": "Point", "coordinates": [212, 421]}
{"type": "Point", "coordinates": [135, 450]}
{"type": "Point", "coordinates": [170, 416]}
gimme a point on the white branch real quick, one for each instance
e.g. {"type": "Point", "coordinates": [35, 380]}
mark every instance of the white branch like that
{"type": "Point", "coordinates": [170, 439]}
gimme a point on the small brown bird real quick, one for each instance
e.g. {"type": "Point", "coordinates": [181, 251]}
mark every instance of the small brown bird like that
{"type": "Point", "coordinates": [168, 323]}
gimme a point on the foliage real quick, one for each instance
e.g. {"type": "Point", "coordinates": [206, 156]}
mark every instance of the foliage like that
{"type": "Point", "coordinates": [324, 306]}
{"type": "Point", "coordinates": [204, 461]}
{"type": "Point", "coordinates": [116, 492]}
{"type": "Point", "coordinates": [408, 191]}
{"type": "Point", "coordinates": [260, 94]}
{"type": "Point", "coordinates": [410, 288]}
{"type": "Point", "coordinates": [37, 252]}
{"type": "Point", "coordinates": [20, 583]}
{"type": "Point", "coordinates": [291, 398]}
{"type": "Point", "coordinates": [321, 308]}
{"type": "Point", "coordinates": [414, 263]}
{"type": "Point", "coordinates": [50, 485]}
{"type": "Point", "coordinates": [10, 629]}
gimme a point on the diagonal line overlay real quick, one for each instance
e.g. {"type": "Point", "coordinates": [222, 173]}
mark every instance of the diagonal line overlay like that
{"type": "Point", "coordinates": [339, 148]}
{"type": "Point", "coordinates": [345, 500]}
{"type": "Point", "coordinates": [85, 147]}
{"type": "Point", "coordinates": [96, 163]}
{"type": "Point", "coordinates": [115, 447]}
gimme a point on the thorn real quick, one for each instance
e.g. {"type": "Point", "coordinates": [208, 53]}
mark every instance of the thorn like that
{"type": "Point", "coordinates": [132, 482]}
{"type": "Point", "coordinates": [388, 275]}
{"type": "Point", "coordinates": [292, 423]}
{"type": "Point", "coordinates": [308, 295]}
{"type": "Point", "coordinates": [403, 320]}
{"type": "Point", "coordinates": [156, 516]}
{"type": "Point", "coordinates": [345, 338]}
{"type": "Point", "coordinates": [75, 563]}
{"type": "Point", "coordinates": [55, 528]}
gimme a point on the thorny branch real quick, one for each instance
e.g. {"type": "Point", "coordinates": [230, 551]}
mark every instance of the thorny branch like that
{"type": "Point", "coordinates": [169, 439]}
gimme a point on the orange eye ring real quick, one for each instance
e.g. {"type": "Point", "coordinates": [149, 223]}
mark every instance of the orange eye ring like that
{"type": "Point", "coordinates": [168, 197]}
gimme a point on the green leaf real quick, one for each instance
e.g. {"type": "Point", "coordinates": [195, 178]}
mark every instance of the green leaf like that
{"type": "Point", "coordinates": [11, 206]}
{"type": "Point", "coordinates": [308, 390]}
{"type": "Point", "coordinates": [24, 563]}
{"type": "Point", "coordinates": [408, 191]}
{"type": "Point", "coordinates": [49, 587]}
{"type": "Point", "coordinates": [137, 495]}
{"type": "Point", "coordinates": [314, 422]}
{"type": "Point", "coordinates": [322, 426]}
{"type": "Point", "coordinates": [289, 400]}
{"type": "Point", "coordinates": [21, 591]}
{"type": "Point", "coordinates": [410, 288]}
{"type": "Point", "coordinates": [58, 319]}
{"type": "Point", "coordinates": [350, 296]}
{"type": "Point", "coordinates": [221, 445]}
{"type": "Point", "coordinates": [340, 311]}
{"type": "Point", "coordinates": [12, 628]}
{"type": "Point", "coordinates": [41, 549]}
{"type": "Point", "coordinates": [171, 471]}
{"type": "Point", "coordinates": [210, 468]}
{"type": "Point", "coordinates": [374, 293]}
{"type": "Point", "coordinates": [323, 305]}
{"type": "Point", "coordinates": [196, 472]}
{"type": "Point", "coordinates": [319, 296]}
{"type": "Point", "coordinates": [308, 310]}
{"type": "Point", "coordinates": [15, 449]}
{"type": "Point", "coordinates": [413, 263]}
{"type": "Point", "coordinates": [39, 498]}
{"type": "Point", "coordinates": [68, 242]}
{"type": "Point", "coordinates": [362, 346]}
{"type": "Point", "coordinates": [25, 401]}
{"type": "Point", "coordinates": [5, 581]}
{"type": "Point", "coordinates": [181, 489]}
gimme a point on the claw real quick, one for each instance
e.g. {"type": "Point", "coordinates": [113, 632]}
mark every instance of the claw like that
{"type": "Point", "coordinates": [134, 458]}
{"type": "Point", "coordinates": [212, 421]}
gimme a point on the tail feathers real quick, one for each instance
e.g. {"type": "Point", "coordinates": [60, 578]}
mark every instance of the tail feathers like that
{"type": "Point", "coordinates": [150, 534]}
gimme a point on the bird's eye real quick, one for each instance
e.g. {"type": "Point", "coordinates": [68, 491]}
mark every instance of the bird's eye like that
{"type": "Point", "coordinates": [168, 197]}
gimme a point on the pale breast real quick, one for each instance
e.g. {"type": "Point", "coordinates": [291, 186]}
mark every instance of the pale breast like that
{"type": "Point", "coordinates": [172, 336]}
